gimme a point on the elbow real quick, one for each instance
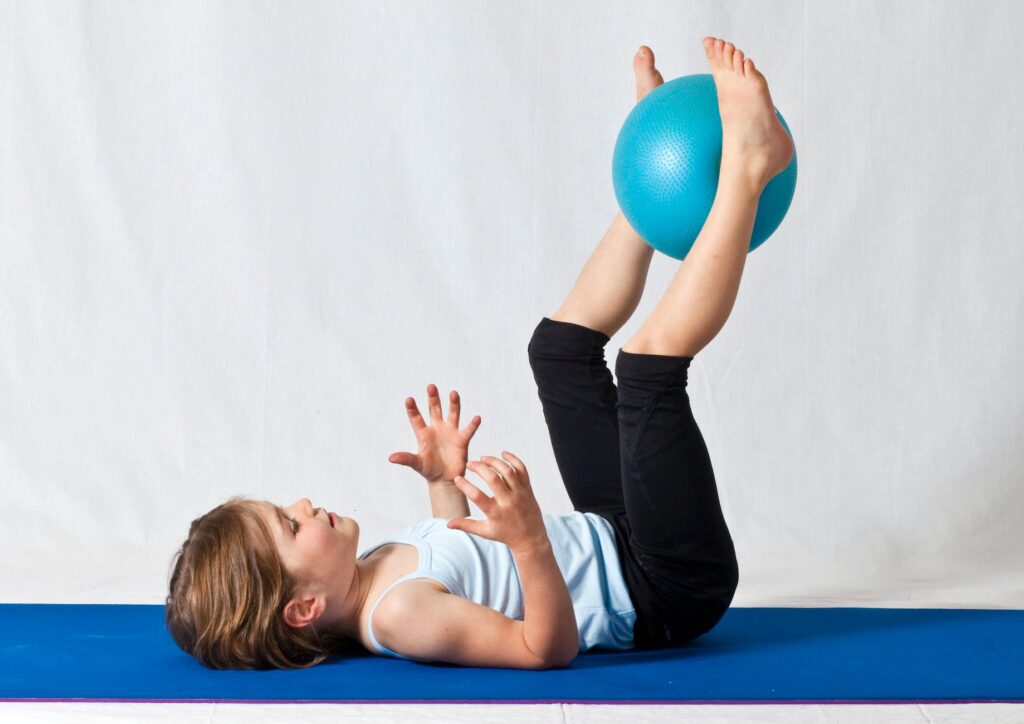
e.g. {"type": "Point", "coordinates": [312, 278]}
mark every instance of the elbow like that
{"type": "Point", "coordinates": [561, 661]}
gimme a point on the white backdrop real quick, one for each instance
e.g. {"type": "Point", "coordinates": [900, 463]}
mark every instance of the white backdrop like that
{"type": "Point", "coordinates": [235, 236]}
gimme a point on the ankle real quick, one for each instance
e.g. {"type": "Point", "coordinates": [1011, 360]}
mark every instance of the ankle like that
{"type": "Point", "coordinates": [747, 170]}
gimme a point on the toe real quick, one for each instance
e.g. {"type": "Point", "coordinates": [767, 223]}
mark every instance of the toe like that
{"type": "Point", "coordinates": [647, 76]}
{"type": "Point", "coordinates": [714, 47]}
{"type": "Point", "coordinates": [737, 61]}
{"type": "Point", "coordinates": [727, 50]}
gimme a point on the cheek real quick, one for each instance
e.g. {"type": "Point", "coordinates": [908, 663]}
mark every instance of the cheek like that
{"type": "Point", "coordinates": [333, 540]}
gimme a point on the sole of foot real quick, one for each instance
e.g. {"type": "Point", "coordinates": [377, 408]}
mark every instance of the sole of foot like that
{"type": "Point", "coordinates": [754, 143]}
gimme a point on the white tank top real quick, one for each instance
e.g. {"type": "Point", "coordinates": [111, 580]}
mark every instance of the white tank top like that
{"type": "Point", "coordinates": [484, 571]}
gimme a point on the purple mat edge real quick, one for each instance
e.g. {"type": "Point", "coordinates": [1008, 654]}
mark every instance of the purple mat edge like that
{"type": "Point", "coordinates": [637, 702]}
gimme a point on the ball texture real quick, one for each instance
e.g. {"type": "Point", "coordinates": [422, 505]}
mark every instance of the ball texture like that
{"type": "Point", "coordinates": [666, 162]}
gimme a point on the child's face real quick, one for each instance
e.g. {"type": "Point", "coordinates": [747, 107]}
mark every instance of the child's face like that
{"type": "Point", "coordinates": [321, 556]}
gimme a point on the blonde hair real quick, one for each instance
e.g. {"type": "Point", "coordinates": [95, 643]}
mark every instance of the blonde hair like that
{"type": "Point", "coordinates": [228, 592]}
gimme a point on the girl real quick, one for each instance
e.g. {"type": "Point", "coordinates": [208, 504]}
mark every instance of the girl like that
{"type": "Point", "coordinates": [645, 561]}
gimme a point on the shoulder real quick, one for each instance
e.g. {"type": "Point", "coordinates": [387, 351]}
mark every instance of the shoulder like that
{"type": "Point", "coordinates": [403, 601]}
{"type": "Point", "coordinates": [412, 600]}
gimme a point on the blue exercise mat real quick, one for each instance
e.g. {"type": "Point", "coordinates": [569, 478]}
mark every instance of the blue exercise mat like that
{"type": "Point", "coordinates": [67, 652]}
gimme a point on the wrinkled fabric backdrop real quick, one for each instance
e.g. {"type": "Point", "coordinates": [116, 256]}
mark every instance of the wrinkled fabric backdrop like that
{"type": "Point", "coordinates": [235, 236]}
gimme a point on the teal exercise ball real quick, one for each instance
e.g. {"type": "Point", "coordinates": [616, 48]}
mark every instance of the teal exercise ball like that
{"type": "Point", "coordinates": [666, 162]}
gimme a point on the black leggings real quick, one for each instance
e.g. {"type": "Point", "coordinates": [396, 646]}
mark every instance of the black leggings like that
{"type": "Point", "coordinates": [635, 456]}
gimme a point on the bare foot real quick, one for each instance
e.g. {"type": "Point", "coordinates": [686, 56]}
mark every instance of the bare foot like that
{"type": "Point", "coordinates": [754, 142]}
{"type": "Point", "coordinates": [647, 76]}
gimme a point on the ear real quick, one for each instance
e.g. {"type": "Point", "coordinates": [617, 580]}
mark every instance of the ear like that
{"type": "Point", "coordinates": [301, 612]}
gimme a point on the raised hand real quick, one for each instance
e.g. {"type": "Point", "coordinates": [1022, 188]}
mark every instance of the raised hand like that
{"type": "Point", "coordinates": [443, 447]}
{"type": "Point", "coordinates": [513, 515]}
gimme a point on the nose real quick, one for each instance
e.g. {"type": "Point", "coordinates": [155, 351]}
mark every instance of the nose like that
{"type": "Point", "coordinates": [304, 504]}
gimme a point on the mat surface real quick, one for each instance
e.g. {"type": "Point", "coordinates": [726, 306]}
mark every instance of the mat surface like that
{"type": "Point", "coordinates": [65, 652]}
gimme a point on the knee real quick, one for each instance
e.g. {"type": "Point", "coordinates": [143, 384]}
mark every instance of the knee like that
{"type": "Point", "coordinates": [558, 341]}
{"type": "Point", "coordinates": [543, 353]}
{"type": "Point", "coordinates": [539, 341]}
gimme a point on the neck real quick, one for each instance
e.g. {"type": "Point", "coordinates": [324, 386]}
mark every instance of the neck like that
{"type": "Point", "coordinates": [349, 612]}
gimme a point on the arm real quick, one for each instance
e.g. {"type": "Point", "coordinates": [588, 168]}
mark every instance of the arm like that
{"type": "Point", "coordinates": [549, 620]}
{"type": "Point", "coordinates": [447, 501]}
{"type": "Point", "coordinates": [428, 625]}
{"type": "Point", "coordinates": [515, 518]}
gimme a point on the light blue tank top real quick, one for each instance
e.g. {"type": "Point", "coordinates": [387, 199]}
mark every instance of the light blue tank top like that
{"type": "Point", "coordinates": [484, 571]}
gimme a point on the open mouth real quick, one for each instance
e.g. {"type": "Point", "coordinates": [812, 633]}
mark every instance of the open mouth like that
{"type": "Point", "coordinates": [331, 516]}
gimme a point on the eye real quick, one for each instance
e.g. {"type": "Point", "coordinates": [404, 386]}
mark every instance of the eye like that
{"type": "Point", "coordinates": [294, 526]}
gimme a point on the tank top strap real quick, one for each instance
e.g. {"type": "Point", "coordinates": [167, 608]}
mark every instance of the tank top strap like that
{"type": "Point", "coordinates": [384, 649]}
{"type": "Point", "coordinates": [423, 570]}
{"type": "Point", "coordinates": [423, 564]}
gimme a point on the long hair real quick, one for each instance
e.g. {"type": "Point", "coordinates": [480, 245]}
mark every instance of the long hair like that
{"type": "Point", "coordinates": [227, 597]}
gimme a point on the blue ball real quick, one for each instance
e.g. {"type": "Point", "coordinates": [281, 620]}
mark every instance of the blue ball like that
{"type": "Point", "coordinates": [666, 162]}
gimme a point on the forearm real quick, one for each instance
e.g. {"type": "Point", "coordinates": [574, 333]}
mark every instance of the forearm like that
{"type": "Point", "coordinates": [549, 620]}
{"type": "Point", "coordinates": [447, 501]}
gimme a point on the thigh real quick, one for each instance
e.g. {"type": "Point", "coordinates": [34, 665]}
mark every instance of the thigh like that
{"type": "Point", "coordinates": [665, 617]}
{"type": "Point", "coordinates": [579, 400]}
{"type": "Point", "coordinates": [675, 517]}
